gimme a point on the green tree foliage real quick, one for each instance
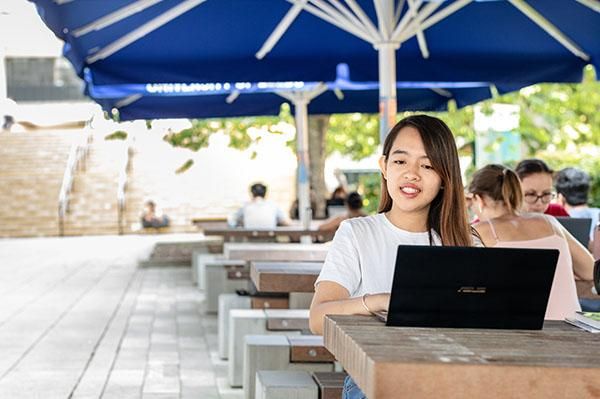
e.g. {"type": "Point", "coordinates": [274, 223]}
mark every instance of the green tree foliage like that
{"type": "Point", "coordinates": [197, 136]}
{"type": "Point", "coordinates": [185, 166]}
{"type": "Point", "coordinates": [118, 135]}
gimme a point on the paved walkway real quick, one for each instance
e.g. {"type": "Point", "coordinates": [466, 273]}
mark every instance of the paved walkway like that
{"type": "Point", "coordinates": [78, 319]}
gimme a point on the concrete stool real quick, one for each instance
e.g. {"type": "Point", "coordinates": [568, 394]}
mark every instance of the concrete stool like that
{"type": "Point", "coordinates": [279, 352]}
{"type": "Point", "coordinates": [244, 322]}
{"type": "Point", "coordinates": [226, 303]}
{"type": "Point", "coordinates": [199, 258]}
{"type": "Point", "coordinates": [301, 300]}
{"type": "Point", "coordinates": [223, 277]}
{"type": "Point", "coordinates": [285, 385]}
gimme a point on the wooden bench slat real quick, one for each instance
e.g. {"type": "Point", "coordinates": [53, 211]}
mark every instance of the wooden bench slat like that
{"type": "Point", "coordinates": [331, 384]}
{"type": "Point", "coordinates": [258, 302]}
{"type": "Point", "coordinates": [286, 319]}
{"type": "Point", "coordinates": [285, 276]}
{"type": "Point", "coordinates": [309, 349]}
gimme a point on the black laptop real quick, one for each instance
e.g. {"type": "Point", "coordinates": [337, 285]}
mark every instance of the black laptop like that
{"type": "Point", "coordinates": [469, 287]}
{"type": "Point", "coordinates": [578, 227]}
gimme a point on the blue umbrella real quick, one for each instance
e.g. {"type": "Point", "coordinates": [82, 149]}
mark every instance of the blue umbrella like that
{"type": "Point", "coordinates": [212, 100]}
{"type": "Point", "coordinates": [504, 41]}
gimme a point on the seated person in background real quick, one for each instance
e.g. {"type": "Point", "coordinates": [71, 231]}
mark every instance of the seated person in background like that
{"type": "Point", "coordinates": [258, 213]}
{"type": "Point", "coordinates": [536, 183]}
{"type": "Point", "coordinates": [354, 203]}
{"type": "Point", "coordinates": [497, 200]}
{"type": "Point", "coordinates": [294, 212]}
{"type": "Point", "coordinates": [338, 196]}
{"type": "Point", "coordinates": [150, 217]}
{"type": "Point", "coordinates": [573, 187]}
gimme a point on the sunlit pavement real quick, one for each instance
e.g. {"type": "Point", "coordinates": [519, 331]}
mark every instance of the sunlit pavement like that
{"type": "Point", "coordinates": [79, 319]}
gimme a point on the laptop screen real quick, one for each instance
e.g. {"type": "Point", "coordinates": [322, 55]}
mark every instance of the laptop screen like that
{"type": "Point", "coordinates": [578, 227]}
{"type": "Point", "coordinates": [469, 287]}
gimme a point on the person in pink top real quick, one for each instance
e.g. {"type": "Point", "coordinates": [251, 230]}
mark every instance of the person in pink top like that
{"type": "Point", "coordinates": [497, 200]}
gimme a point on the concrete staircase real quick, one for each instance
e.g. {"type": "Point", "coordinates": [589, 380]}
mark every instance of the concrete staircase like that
{"type": "Point", "coordinates": [32, 165]}
{"type": "Point", "coordinates": [93, 206]}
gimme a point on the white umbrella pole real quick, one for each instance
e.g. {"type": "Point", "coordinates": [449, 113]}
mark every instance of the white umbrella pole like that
{"type": "Point", "coordinates": [304, 206]}
{"type": "Point", "coordinates": [300, 99]}
{"type": "Point", "coordinates": [387, 88]}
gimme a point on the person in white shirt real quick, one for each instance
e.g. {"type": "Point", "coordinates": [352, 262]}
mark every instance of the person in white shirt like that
{"type": "Point", "coordinates": [258, 213]}
{"type": "Point", "coordinates": [422, 203]}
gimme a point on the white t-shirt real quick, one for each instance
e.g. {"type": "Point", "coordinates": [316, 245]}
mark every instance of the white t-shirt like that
{"type": "Point", "coordinates": [362, 256]}
{"type": "Point", "coordinates": [258, 214]}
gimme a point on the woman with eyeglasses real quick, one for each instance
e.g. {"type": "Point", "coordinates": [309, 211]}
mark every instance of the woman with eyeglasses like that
{"type": "Point", "coordinates": [497, 200]}
{"type": "Point", "coordinates": [536, 183]}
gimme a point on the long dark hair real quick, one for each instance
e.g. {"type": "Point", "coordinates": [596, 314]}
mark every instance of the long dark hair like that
{"type": "Point", "coordinates": [447, 212]}
{"type": "Point", "coordinates": [500, 184]}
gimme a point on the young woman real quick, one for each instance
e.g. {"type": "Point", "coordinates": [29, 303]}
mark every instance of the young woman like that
{"type": "Point", "coordinates": [422, 203]}
{"type": "Point", "coordinates": [497, 200]}
{"type": "Point", "coordinates": [536, 183]}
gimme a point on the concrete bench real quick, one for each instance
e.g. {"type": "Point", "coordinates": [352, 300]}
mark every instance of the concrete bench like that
{"type": "Point", "coordinates": [223, 276]}
{"type": "Point", "coordinates": [280, 352]}
{"type": "Point", "coordinates": [228, 302]}
{"type": "Point", "coordinates": [244, 322]}
{"type": "Point", "coordinates": [177, 250]}
{"type": "Point", "coordinates": [292, 384]}
{"type": "Point", "coordinates": [285, 385]}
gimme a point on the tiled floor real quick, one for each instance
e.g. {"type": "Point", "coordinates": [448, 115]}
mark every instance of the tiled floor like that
{"type": "Point", "coordinates": [78, 319]}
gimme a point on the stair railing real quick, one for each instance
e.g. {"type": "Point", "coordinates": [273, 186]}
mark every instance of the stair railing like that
{"type": "Point", "coordinates": [122, 184]}
{"type": "Point", "coordinates": [78, 154]}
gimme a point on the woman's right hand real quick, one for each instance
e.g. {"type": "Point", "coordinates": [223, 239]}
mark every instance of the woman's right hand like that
{"type": "Point", "coordinates": [378, 302]}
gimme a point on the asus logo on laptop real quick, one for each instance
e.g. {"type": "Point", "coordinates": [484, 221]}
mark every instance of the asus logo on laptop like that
{"type": "Point", "coordinates": [471, 290]}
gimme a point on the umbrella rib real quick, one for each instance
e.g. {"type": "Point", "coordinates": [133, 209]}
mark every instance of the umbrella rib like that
{"type": "Point", "coordinates": [592, 4]}
{"type": "Point", "coordinates": [303, 95]}
{"type": "Point", "coordinates": [406, 19]}
{"type": "Point", "coordinates": [398, 12]}
{"type": "Point", "coordinates": [441, 92]}
{"type": "Point", "coordinates": [434, 19]}
{"type": "Point", "coordinates": [143, 30]}
{"type": "Point", "coordinates": [127, 101]}
{"type": "Point", "coordinates": [232, 97]}
{"type": "Point", "coordinates": [353, 18]}
{"type": "Point", "coordinates": [420, 35]}
{"type": "Point", "coordinates": [363, 17]}
{"type": "Point", "coordinates": [340, 17]}
{"type": "Point", "coordinates": [115, 16]}
{"type": "Point", "coordinates": [61, 2]}
{"type": "Point", "coordinates": [385, 17]}
{"type": "Point", "coordinates": [280, 29]}
{"type": "Point", "coordinates": [549, 28]}
{"type": "Point", "coordinates": [321, 14]}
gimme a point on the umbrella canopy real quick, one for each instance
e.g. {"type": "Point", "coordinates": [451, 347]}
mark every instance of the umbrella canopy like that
{"type": "Point", "coordinates": [503, 41]}
{"type": "Point", "coordinates": [216, 106]}
{"type": "Point", "coordinates": [156, 41]}
{"type": "Point", "coordinates": [212, 100]}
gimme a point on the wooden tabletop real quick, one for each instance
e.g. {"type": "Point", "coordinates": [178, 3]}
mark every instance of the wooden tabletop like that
{"type": "Point", "coordinates": [239, 232]}
{"type": "Point", "coordinates": [285, 276]}
{"type": "Point", "coordinates": [276, 252]}
{"type": "Point", "coordinates": [559, 361]}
